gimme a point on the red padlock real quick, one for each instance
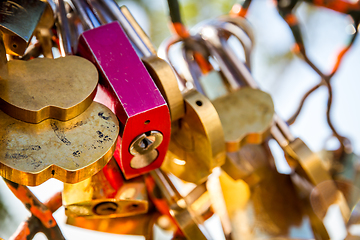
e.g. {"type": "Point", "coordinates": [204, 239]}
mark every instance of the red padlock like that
{"type": "Point", "coordinates": [128, 90]}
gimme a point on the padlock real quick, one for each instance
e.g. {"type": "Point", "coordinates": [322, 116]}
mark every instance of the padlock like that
{"type": "Point", "coordinates": [246, 117]}
{"type": "Point", "coordinates": [197, 145]}
{"type": "Point", "coordinates": [63, 96]}
{"type": "Point", "coordinates": [186, 212]}
{"type": "Point", "coordinates": [127, 88]}
{"type": "Point", "coordinates": [18, 21]}
{"type": "Point", "coordinates": [197, 136]}
{"type": "Point", "coordinates": [106, 195]}
{"type": "Point", "coordinates": [261, 207]}
{"type": "Point", "coordinates": [159, 70]}
{"type": "Point", "coordinates": [139, 225]}
{"type": "Point", "coordinates": [69, 151]}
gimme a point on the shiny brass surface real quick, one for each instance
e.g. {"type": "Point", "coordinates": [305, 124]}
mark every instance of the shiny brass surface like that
{"type": "Point", "coordinates": [146, 142]}
{"type": "Point", "coordinates": [197, 143]}
{"type": "Point", "coordinates": [43, 31]}
{"type": "Point", "coordinates": [246, 117]}
{"type": "Point", "coordinates": [309, 161]}
{"type": "Point", "coordinates": [47, 20]}
{"type": "Point", "coordinates": [141, 225]}
{"type": "Point", "coordinates": [95, 197]}
{"type": "Point", "coordinates": [262, 211]}
{"type": "Point", "coordinates": [181, 209]}
{"type": "Point", "coordinates": [315, 182]}
{"type": "Point", "coordinates": [143, 148]}
{"type": "Point", "coordinates": [70, 151]}
{"type": "Point", "coordinates": [18, 20]}
{"type": "Point", "coordinates": [165, 79]}
{"type": "Point", "coordinates": [35, 90]}
{"type": "Point", "coordinates": [44, 37]}
{"type": "Point", "coordinates": [247, 163]}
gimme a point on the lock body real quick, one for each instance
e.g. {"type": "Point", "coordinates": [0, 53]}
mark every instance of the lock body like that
{"type": "Point", "coordinates": [139, 225]}
{"type": "Point", "coordinates": [38, 89]}
{"type": "Point", "coordinates": [127, 88]}
{"type": "Point", "coordinates": [106, 195]}
{"type": "Point", "coordinates": [69, 151]}
{"type": "Point", "coordinates": [197, 143]}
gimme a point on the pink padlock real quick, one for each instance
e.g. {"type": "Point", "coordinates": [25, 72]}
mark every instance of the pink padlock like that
{"type": "Point", "coordinates": [128, 90]}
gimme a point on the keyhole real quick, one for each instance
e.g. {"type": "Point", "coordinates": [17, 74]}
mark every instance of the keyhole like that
{"type": "Point", "coordinates": [105, 208]}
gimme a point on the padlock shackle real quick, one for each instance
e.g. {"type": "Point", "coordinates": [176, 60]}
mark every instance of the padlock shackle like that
{"type": "Point", "coordinates": [63, 28]}
{"type": "Point", "coordinates": [240, 34]}
{"type": "Point", "coordinates": [3, 58]}
{"type": "Point", "coordinates": [163, 52]}
{"type": "Point", "coordinates": [86, 15]}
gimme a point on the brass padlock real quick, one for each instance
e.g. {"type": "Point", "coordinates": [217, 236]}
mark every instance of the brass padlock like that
{"type": "Point", "coordinates": [139, 225]}
{"type": "Point", "coordinates": [197, 145]}
{"type": "Point", "coordinates": [38, 89]}
{"type": "Point", "coordinates": [246, 117]}
{"type": "Point", "coordinates": [106, 195]}
{"type": "Point", "coordinates": [70, 151]}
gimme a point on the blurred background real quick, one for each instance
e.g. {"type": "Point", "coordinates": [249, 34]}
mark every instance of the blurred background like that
{"type": "Point", "coordinates": [277, 70]}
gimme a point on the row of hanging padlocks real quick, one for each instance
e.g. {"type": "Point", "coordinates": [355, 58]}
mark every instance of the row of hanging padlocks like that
{"type": "Point", "coordinates": [121, 127]}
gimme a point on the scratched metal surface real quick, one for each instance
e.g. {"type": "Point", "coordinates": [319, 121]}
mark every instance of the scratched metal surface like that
{"type": "Point", "coordinates": [70, 151]}
{"type": "Point", "coordinates": [126, 87]}
{"type": "Point", "coordinates": [42, 88]}
{"type": "Point", "coordinates": [122, 68]}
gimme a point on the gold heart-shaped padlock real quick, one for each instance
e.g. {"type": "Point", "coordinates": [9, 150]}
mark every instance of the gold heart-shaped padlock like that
{"type": "Point", "coordinates": [35, 90]}
{"type": "Point", "coordinates": [246, 116]}
{"type": "Point", "coordinates": [70, 151]}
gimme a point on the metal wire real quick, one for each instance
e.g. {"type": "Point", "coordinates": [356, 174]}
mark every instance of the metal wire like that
{"type": "Point", "coordinates": [292, 21]}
